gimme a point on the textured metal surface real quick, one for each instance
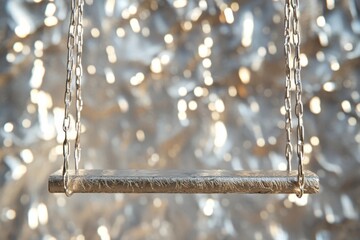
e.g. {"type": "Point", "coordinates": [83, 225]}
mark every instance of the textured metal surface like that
{"type": "Point", "coordinates": [176, 181]}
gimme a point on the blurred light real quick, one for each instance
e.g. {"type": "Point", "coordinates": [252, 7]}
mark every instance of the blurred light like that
{"type": "Point", "coordinates": [232, 91]}
{"type": "Point", "coordinates": [111, 54]}
{"type": "Point", "coordinates": [307, 148]}
{"type": "Point", "coordinates": [203, 51]}
{"type": "Point", "coordinates": [195, 14]}
{"type": "Point", "coordinates": [91, 69]}
{"type": "Point", "coordinates": [33, 218]}
{"type": "Point", "coordinates": [272, 48]}
{"type": "Point", "coordinates": [109, 75]}
{"type": "Point", "coordinates": [26, 123]}
{"type": "Point", "coordinates": [168, 38]}
{"type": "Point", "coordinates": [123, 104]}
{"type": "Point", "coordinates": [208, 41]}
{"type": "Point", "coordinates": [320, 56]}
{"type": "Point", "coordinates": [235, 6]}
{"type": "Point", "coordinates": [50, 9]}
{"type": "Point", "coordinates": [10, 57]}
{"type": "Point", "coordinates": [206, 28]}
{"type": "Point", "coordinates": [229, 16]}
{"type": "Point", "coordinates": [51, 21]}
{"type": "Point", "coordinates": [155, 65]}
{"type": "Point", "coordinates": [18, 47]}
{"type": "Point", "coordinates": [27, 156]}
{"type": "Point", "coordinates": [220, 134]}
{"type": "Point", "coordinates": [206, 63]}
{"type": "Point", "coordinates": [334, 65]}
{"type": "Point", "coordinates": [272, 140]}
{"type": "Point", "coordinates": [37, 74]}
{"type": "Point", "coordinates": [299, 201]}
{"type": "Point", "coordinates": [348, 46]}
{"type": "Point", "coordinates": [303, 60]}
{"type": "Point", "coordinates": [248, 29]}
{"type": "Point", "coordinates": [352, 121]}
{"type": "Point", "coordinates": [261, 51]}
{"type": "Point", "coordinates": [320, 21]}
{"type": "Point", "coordinates": [329, 86]}
{"type": "Point", "coordinates": [120, 32]}
{"type": "Point", "coordinates": [179, 3]}
{"type": "Point", "coordinates": [133, 9]}
{"type": "Point", "coordinates": [157, 202]}
{"type": "Point", "coordinates": [276, 18]}
{"type": "Point", "coordinates": [209, 207]}
{"type": "Point", "coordinates": [135, 26]}
{"type": "Point", "coordinates": [260, 142]}
{"type": "Point", "coordinates": [192, 105]}
{"type": "Point", "coordinates": [182, 106]}
{"type": "Point", "coordinates": [109, 7]}
{"type": "Point", "coordinates": [208, 80]}
{"type": "Point", "coordinates": [165, 59]}
{"type": "Point", "coordinates": [137, 79]}
{"type": "Point", "coordinates": [346, 106]}
{"type": "Point", "coordinates": [203, 5]}
{"type": "Point", "coordinates": [244, 75]}
{"type": "Point", "coordinates": [22, 30]}
{"type": "Point", "coordinates": [219, 105]}
{"type": "Point", "coordinates": [187, 26]}
{"type": "Point", "coordinates": [314, 140]}
{"type": "Point", "coordinates": [198, 91]}
{"type": "Point", "coordinates": [95, 33]}
{"type": "Point", "coordinates": [315, 105]}
{"type": "Point", "coordinates": [10, 214]}
{"type": "Point", "coordinates": [42, 214]}
{"type": "Point", "coordinates": [103, 232]}
{"type": "Point", "coordinates": [145, 31]}
{"type": "Point", "coordinates": [182, 91]}
{"type": "Point", "coordinates": [330, 4]}
{"type": "Point", "coordinates": [140, 135]}
{"type": "Point", "coordinates": [8, 127]}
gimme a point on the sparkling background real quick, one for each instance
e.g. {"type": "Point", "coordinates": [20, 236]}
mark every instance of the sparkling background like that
{"type": "Point", "coordinates": [178, 84]}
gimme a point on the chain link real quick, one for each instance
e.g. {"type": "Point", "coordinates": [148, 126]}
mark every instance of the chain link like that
{"type": "Point", "coordinates": [79, 75]}
{"type": "Point", "coordinates": [287, 100]}
{"type": "Point", "coordinates": [299, 107]}
{"type": "Point", "coordinates": [68, 95]}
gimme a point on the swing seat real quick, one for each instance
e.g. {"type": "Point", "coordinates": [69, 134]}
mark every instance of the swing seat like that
{"type": "Point", "coordinates": [182, 181]}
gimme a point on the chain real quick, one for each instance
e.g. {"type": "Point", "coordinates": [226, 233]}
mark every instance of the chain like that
{"type": "Point", "coordinates": [299, 108]}
{"type": "Point", "coordinates": [67, 96]}
{"type": "Point", "coordinates": [287, 102]}
{"type": "Point", "coordinates": [74, 66]}
{"type": "Point", "coordinates": [79, 75]}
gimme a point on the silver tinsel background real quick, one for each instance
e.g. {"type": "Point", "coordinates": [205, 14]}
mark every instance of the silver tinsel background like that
{"type": "Point", "coordinates": [178, 84]}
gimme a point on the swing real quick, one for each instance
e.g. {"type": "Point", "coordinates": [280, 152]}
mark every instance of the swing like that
{"type": "Point", "coordinates": [298, 181]}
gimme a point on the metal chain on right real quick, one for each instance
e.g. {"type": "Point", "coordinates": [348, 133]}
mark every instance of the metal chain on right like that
{"type": "Point", "coordinates": [68, 95]}
{"type": "Point", "coordinates": [299, 107]}
{"type": "Point", "coordinates": [287, 98]}
{"type": "Point", "coordinates": [78, 75]}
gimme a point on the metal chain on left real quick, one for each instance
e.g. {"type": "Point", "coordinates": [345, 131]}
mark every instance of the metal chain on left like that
{"type": "Point", "coordinates": [287, 98]}
{"type": "Point", "coordinates": [299, 107]}
{"type": "Point", "coordinates": [68, 94]}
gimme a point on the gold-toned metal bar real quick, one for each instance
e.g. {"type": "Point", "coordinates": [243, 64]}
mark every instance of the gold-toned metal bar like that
{"type": "Point", "coordinates": [182, 181]}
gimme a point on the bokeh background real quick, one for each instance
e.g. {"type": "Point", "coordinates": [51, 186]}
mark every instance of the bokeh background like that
{"type": "Point", "coordinates": [178, 84]}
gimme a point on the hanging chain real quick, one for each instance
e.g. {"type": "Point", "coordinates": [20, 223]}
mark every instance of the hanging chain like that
{"type": "Point", "coordinates": [292, 33]}
{"type": "Point", "coordinates": [299, 108]}
{"type": "Point", "coordinates": [79, 75]}
{"type": "Point", "coordinates": [287, 102]}
{"type": "Point", "coordinates": [74, 69]}
{"type": "Point", "coordinates": [68, 95]}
